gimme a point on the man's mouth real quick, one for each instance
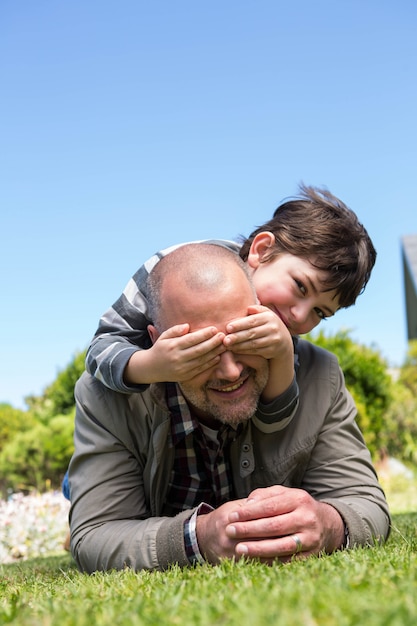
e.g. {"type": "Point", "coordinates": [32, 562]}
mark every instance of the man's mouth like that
{"type": "Point", "coordinates": [230, 388]}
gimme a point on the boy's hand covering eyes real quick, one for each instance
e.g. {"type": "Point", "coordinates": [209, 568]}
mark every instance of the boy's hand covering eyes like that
{"type": "Point", "coordinates": [260, 333]}
{"type": "Point", "coordinates": [176, 355]}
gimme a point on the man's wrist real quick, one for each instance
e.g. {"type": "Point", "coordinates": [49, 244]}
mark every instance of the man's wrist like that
{"type": "Point", "coordinates": [192, 548]}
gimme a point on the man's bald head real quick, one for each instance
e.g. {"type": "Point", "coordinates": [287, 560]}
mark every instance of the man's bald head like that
{"type": "Point", "coordinates": [203, 272]}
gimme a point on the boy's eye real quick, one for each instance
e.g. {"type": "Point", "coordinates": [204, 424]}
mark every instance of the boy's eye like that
{"type": "Point", "coordinates": [320, 314]}
{"type": "Point", "coordinates": [301, 287]}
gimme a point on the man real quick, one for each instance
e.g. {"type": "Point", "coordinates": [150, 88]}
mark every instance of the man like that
{"type": "Point", "coordinates": [180, 473]}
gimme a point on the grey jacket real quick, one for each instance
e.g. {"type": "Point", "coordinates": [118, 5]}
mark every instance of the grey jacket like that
{"type": "Point", "coordinates": [122, 461]}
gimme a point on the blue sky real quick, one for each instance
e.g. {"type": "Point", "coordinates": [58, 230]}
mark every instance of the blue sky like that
{"type": "Point", "coordinates": [127, 126]}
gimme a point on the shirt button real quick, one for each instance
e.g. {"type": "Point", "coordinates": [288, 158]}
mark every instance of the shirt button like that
{"type": "Point", "coordinates": [246, 447]}
{"type": "Point", "coordinates": [245, 463]}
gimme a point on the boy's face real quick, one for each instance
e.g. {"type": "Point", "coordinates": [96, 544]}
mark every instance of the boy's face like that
{"type": "Point", "coordinates": [290, 286]}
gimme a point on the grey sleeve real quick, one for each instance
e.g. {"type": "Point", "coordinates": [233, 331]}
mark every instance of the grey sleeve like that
{"type": "Point", "coordinates": [112, 519]}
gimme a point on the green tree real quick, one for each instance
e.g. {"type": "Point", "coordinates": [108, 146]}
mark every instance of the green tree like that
{"type": "Point", "coordinates": [38, 457]}
{"type": "Point", "coordinates": [36, 445]}
{"type": "Point", "coordinates": [13, 421]}
{"type": "Point", "coordinates": [58, 397]}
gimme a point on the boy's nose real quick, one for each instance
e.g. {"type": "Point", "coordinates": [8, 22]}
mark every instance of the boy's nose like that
{"type": "Point", "coordinates": [300, 313]}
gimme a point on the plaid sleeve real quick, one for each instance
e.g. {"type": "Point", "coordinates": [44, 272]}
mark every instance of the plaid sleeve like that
{"type": "Point", "coordinates": [190, 536]}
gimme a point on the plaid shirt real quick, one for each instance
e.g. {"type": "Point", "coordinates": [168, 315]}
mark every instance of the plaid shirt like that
{"type": "Point", "coordinates": [201, 472]}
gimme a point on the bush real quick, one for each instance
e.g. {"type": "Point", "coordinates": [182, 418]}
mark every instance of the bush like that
{"type": "Point", "coordinates": [12, 422]}
{"type": "Point", "coordinates": [37, 444]}
{"type": "Point", "coordinates": [38, 457]}
{"type": "Point", "coordinates": [401, 417]}
{"type": "Point", "coordinates": [58, 397]}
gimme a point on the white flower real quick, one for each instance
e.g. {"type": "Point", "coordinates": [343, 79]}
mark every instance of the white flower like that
{"type": "Point", "coordinates": [31, 526]}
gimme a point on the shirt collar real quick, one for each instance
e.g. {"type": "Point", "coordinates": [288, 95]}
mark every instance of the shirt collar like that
{"type": "Point", "coordinates": [182, 421]}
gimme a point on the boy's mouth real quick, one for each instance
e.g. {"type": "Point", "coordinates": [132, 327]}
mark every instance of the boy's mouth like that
{"type": "Point", "coordinates": [281, 316]}
{"type": "Point", "coordinates": [284, 320]}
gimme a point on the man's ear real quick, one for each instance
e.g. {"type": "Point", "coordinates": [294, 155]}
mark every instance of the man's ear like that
{"type": "Point", "coordinates": [261, 245]}
{"type": "Point", "coordinates": [153, 333]}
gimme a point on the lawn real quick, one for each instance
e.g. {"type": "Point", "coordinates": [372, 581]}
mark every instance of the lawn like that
{"type": "Point", "coordinates": [369, 587]}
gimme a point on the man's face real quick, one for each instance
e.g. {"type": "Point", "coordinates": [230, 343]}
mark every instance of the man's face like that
{"type": "Point", "coordinates": [228, 392]}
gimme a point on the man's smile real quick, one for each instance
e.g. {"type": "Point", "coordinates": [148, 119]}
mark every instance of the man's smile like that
{"type": "Point", "coordinates": [229, 387]}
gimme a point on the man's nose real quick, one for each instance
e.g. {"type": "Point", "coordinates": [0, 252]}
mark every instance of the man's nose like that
{"type": "Point", "coordinates": [228, 367]}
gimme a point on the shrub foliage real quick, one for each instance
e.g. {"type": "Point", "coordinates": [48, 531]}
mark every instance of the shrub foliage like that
{"type": "Point", "coordinates": [37, 444]}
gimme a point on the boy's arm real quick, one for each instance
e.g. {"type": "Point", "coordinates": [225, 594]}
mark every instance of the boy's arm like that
{"type": "Point", "coordinates": [281, 371]}
{"type": "Point", "coordinates": [264, 334]}
{"type": "Point", "coordinates": [279, 402]}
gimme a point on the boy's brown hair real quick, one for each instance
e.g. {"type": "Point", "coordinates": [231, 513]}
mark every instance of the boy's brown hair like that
{"type": "Point", "coordinates": [319, 227]}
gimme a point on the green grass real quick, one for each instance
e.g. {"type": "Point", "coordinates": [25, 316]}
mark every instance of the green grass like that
{"type": "Point", "coordinates": [373, 587]}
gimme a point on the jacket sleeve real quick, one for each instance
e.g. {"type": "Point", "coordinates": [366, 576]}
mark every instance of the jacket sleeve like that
{"type": "Point", "coordinates": [111, 521]}
{"type": "Point", "coordinates": [276, 415]}
{"type": "Point", "coordinates": [340, 470]}
{"type": "Point", "coordinates": [122, 329]}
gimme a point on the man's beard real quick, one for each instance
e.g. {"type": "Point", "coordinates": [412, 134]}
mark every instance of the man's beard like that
{"type": "Point", "coordinates": [232, 412]}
